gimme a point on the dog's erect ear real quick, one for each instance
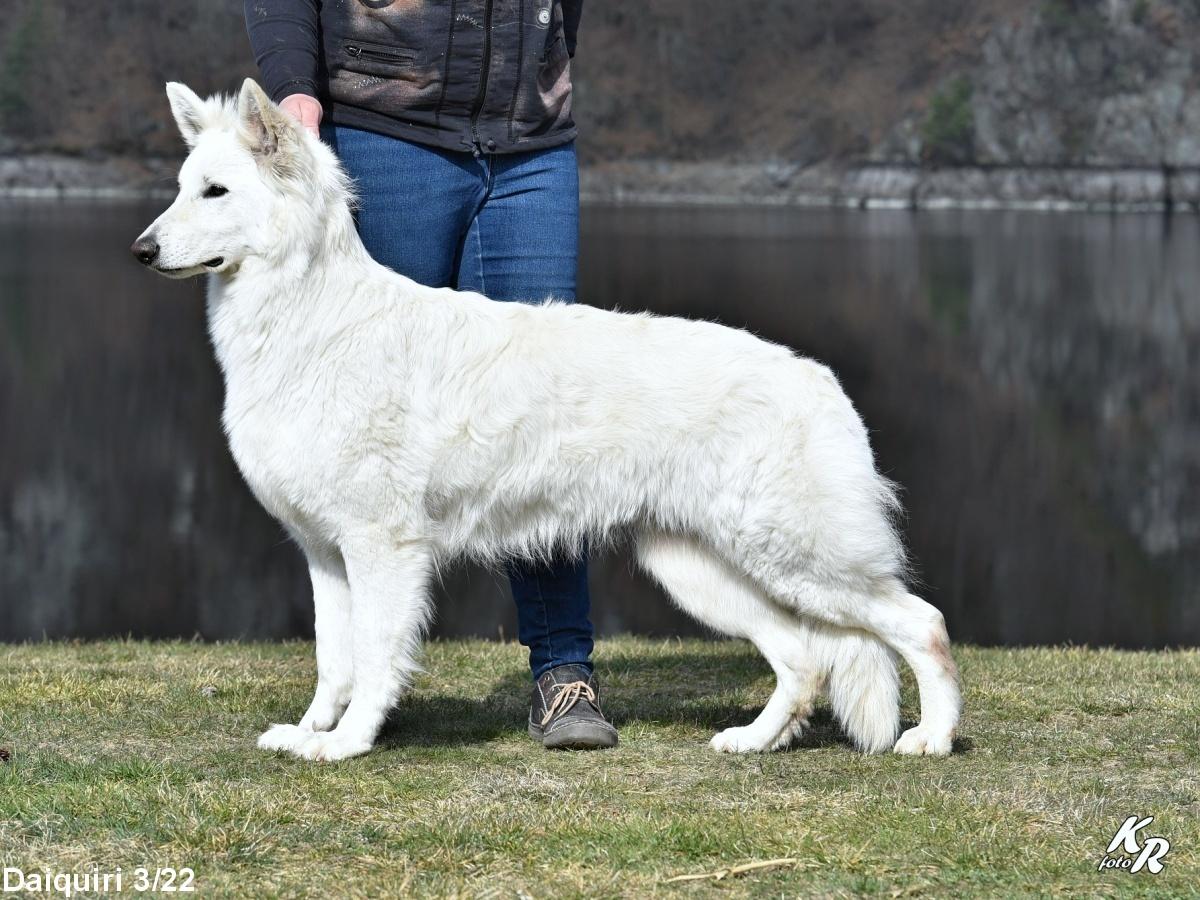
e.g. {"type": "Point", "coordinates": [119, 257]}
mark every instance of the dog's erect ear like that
{"type": "Point", "coordinates": [188, 110]}
{"type": "Point", "coordinates": [266, 129]}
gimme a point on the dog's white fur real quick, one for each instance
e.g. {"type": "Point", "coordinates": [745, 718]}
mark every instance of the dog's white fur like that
{"type": "Point", "coordinates": [392, 427]}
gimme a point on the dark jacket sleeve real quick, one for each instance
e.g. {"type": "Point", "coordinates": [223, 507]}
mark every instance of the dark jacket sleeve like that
{"type": "Point", "coordinates": [285, 37]}
{"type": "Point", "coordinates": [572, 11]}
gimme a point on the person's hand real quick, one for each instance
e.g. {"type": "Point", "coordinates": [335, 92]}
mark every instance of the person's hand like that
{"type": "Point", "coordinates": [304, 109]}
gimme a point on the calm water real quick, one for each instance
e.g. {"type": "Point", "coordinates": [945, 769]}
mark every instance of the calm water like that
{"type": "Point", "coordinates": [1029, 378]}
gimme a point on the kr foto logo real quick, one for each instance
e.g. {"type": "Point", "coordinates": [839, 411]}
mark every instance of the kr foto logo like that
{"type": "Point", "coordinates": [1133, 857]}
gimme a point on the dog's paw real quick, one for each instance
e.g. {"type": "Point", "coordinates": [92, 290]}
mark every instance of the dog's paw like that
{"type": "Point", "coordinates": [790, 734]}
{"type": "Point", "coordinates": [330, 746]}
{"type": "Point", "coordinates": [739, 740]}
{"type": "Point", "coordinates": [323, 716]}
{"type": "Point", "coordinates": [923, 740]}
{"type": "Point", "coordinates": [283, 737]}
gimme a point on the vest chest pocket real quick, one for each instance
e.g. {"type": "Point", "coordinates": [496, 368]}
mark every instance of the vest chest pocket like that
{"type": "Point", "coordinates": [377, 59]}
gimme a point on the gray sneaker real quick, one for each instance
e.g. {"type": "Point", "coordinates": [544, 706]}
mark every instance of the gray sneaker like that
{"type": "Point", "coordinates": [565, 713]}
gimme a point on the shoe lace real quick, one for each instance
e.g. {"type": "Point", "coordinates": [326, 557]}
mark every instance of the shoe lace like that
{"type": "Point", "coordinates": [566, 697]}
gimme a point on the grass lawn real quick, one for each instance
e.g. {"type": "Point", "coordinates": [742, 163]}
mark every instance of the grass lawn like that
{"type": "Point", "coordinates": [127, 754]}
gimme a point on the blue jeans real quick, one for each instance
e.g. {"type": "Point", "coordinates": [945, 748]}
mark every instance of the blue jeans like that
{"type": "Point", "coordinates": [506, 226]}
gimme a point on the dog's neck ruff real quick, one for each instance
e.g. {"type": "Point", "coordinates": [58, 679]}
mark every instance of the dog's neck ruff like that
{"type": "Point", "coordinates": [319, 254]}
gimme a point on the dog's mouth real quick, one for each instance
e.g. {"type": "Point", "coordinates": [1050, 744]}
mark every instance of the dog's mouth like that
{"type": "Point", "coordinates": [211, 265]}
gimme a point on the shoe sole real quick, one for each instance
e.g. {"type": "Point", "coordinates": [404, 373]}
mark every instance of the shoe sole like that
{"type": "Point", "coordinates": [576, 736]}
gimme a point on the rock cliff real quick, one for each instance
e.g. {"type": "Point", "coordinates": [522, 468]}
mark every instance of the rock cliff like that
{"type": "Point", "coordinates": [1093, 102]}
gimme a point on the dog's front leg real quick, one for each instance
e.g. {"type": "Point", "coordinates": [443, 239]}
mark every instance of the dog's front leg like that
{"type": "Point", "coordinates": [335, 661]}
{"type": "Point", "coordinates": [335, 647]}
{"type": "Point", "coordinates": [388, 611]}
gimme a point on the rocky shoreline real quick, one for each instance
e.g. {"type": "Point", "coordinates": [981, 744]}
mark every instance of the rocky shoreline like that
{"type": "Point", "coordinates": [867, 186]}
{"type": "Point", "coordinates": [897, 186]}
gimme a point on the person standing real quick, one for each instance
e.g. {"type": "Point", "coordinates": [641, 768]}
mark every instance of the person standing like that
{"type": "Point", "coordinates": [454, 120]}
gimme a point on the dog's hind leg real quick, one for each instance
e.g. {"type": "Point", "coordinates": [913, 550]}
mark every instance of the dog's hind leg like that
{"type": "Point", "coordinates": [911, 627]}
{"type": "Point", "coordinates": [917, 631]}
{"type": "Point", "coordinates": [708, 589]}
{"type": "Point", "coordinates": [786, 713]}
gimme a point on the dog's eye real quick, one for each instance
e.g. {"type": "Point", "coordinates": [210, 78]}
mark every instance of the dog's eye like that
{"type": "Point", "coordinates": [214, 190]}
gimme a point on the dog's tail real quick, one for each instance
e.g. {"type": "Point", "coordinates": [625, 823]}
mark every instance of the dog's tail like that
{"type": "Point", "coordinates": [864, 690]}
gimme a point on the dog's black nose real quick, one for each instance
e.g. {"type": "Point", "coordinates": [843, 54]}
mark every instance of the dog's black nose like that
{"type": "Point", "coordinates": [145, 249]}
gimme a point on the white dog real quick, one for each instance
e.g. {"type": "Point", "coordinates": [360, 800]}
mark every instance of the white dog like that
{"type": "Point", "coordinates": [393, 427]}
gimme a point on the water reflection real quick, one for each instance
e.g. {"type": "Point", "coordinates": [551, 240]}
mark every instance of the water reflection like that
{"type": "Point", "coordinates": [1029, 378]}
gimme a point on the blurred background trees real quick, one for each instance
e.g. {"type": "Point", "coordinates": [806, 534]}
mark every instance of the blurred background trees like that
{"type": "Point", "coordinates": [944, 82]}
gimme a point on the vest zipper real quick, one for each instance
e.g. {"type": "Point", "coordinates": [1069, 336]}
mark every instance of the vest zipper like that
{"type": "Point", "coordinates": [483, 77]}
{"type": "Point", "coordinates": [385, 56]}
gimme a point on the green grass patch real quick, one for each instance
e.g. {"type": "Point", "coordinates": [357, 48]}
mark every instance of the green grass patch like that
{"type": "Point", "coordinates": [142, 754]}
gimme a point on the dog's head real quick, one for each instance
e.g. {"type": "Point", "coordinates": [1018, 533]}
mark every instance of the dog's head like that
{"type": "Point", "coordinates": [247, 160]}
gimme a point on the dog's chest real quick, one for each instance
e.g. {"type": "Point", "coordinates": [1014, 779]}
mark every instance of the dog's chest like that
{"type": "Point", "coordinates": [279, 447]}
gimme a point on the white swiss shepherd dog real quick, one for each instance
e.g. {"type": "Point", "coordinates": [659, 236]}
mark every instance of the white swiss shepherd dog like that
{"type": "Point", "coordinates": [393, 428]}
